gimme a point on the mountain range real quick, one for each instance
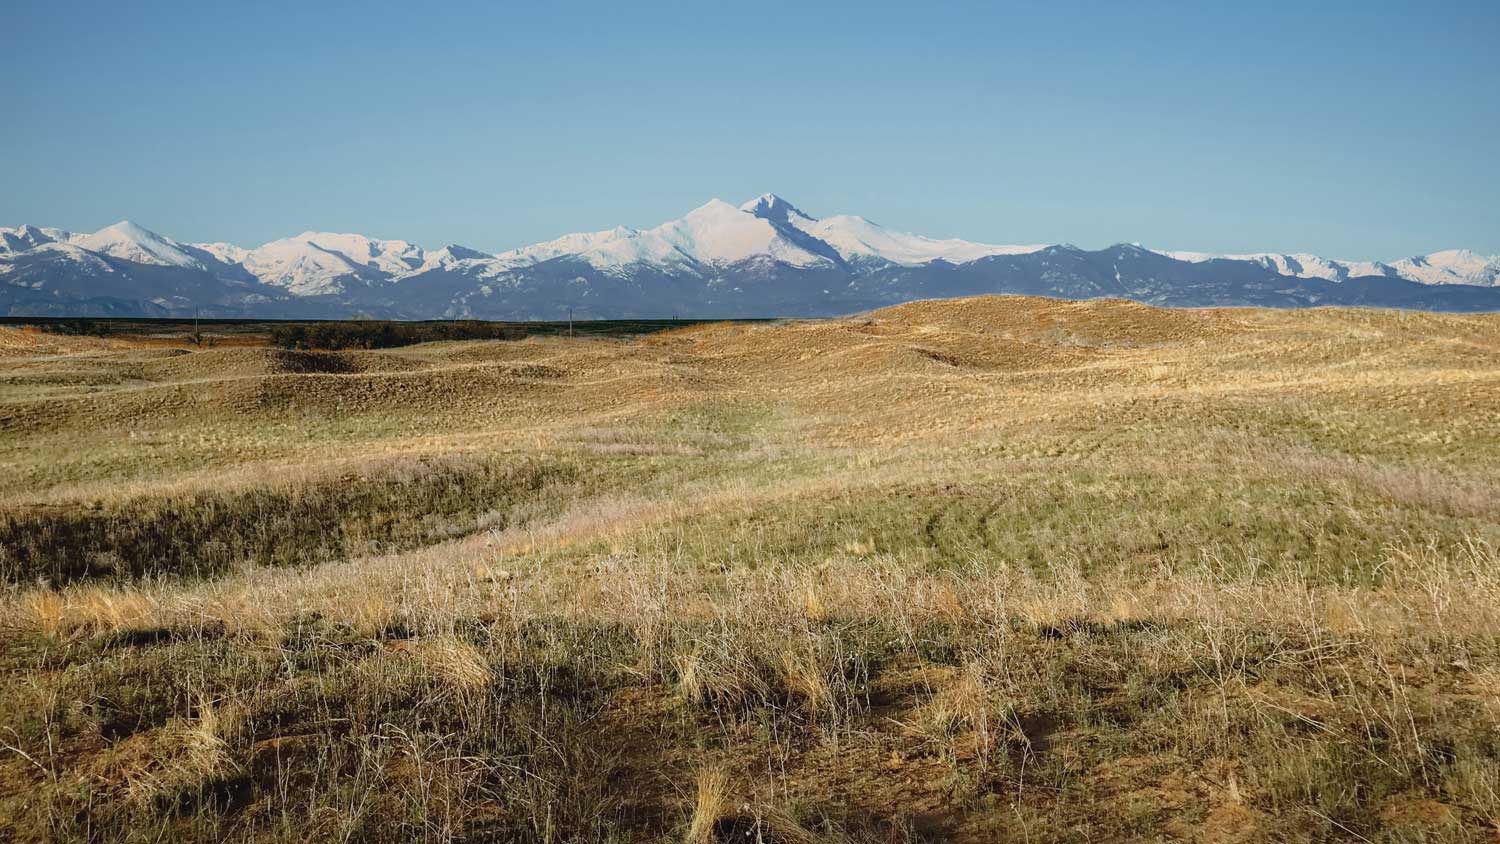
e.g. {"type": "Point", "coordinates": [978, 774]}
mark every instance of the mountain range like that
{"type": "Point", "coordinates": [764, 258]}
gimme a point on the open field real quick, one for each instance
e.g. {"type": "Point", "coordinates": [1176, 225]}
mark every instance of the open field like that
{"type": "Point", "coordinates": [998, 569]}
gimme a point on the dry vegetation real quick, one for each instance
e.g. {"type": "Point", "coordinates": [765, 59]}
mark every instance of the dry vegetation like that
{"type": "Point", "coordinates": [982, 570]}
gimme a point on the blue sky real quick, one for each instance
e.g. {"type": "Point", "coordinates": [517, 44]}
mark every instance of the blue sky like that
{"type": "Point", "coordinates": [1359, 130]}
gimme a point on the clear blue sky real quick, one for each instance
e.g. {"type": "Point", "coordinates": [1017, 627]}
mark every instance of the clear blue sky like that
{"type": "Point", "coordinates": [1359, 129]}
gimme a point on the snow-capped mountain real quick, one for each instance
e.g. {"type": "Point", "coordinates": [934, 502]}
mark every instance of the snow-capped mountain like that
{"type": "Point", "coordinates": [320, 263]}
{"type": "Point", "coordinates": [855, 238]}
{"type": "Point", "coordinates": [1451, 266]}
{"type": "Point", "coordinates": [714, 234]}
{"type": "Point", "coordinates": [569, 244]}
{"type": "Point", "coordinates": [122, 269]}
{"type": "Point", "coordinates": [765, 257]}
{"type": "Point", "coordinates": [227, 253]}
{"type": "Point", "coordinates": [130, 242]}
{"type": "Point", "coordinates": [1300, 265]}
{"type": "Point", "coordinates": [720, 234]}
{"type": "Point", "coordinates": [23, 238]}
{"type": "Point", "coordinates": [452, 255]}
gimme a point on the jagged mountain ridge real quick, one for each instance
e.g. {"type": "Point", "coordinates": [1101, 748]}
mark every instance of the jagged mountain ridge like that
{"type": "Point", "coordinates": [763, 258]}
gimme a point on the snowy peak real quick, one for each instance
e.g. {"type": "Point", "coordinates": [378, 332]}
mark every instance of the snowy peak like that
{"type": "Point", "coordinates": [715, 208]}
{"type": "Point", "coordinates": [24, 238]}
{"type": "Point", "coordinates": [225, 252]}
{"type": "Point", "coordinates": [454, 256]}
{"type": "Point", "coordinates": [129, 241]}
{"type": "Point", "coordinates": [305, 268]}
{"type": "Point", "coordinates": [323, 263]}
{"type": "Point", "coordinates": [55, 254]}
{"type": "Point", "coordinates": [1451, 266]}
{"type": "Point", "coordinates": [712, 235]}
{"type": "Point", "coordinates": [390, 256]}
{"type": "Point", "coordinates": [769, 206]}
{"type": "Point", "coordinates": [129, 230]}
{"type": "Point", "coordinates": [720, 233]}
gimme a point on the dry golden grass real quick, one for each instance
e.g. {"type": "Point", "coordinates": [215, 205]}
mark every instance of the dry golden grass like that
{"type": "Point", "coordinates": [46, 609]}
{"type": "Point", "coordinates": [966, 704]}
{"type": "Point", "coordinates": [712, 784]}
{"type": "Point", "coordinates": [185, 753]}
{"type": "Point", "coordinates": [450, 661]}
{"type": "Point", "coordinates": [995, 569]}
{"type": "Point", "coordinates": [89, 610]}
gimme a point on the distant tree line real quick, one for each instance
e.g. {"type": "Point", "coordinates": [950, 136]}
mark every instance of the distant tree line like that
{"type": "Point", "coordinates": [77, 327]}
{"type": "Point", "coordinates": [377, 334]}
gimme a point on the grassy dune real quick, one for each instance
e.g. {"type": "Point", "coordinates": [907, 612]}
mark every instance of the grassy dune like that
{"type": "Point", "coordinates": [978, 570]}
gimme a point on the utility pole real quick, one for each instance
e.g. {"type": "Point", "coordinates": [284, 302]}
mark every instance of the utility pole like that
{"type": "Point", "coordinates": [570, 323]}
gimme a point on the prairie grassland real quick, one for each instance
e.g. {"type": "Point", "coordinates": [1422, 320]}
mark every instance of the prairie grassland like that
{"type": "Point", "coordinates": [979, 570]}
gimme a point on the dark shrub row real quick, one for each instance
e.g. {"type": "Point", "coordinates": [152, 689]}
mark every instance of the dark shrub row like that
{"type": "Point", "coordinates": [207, 532]}
{"type": "Point", "coordinates": [77, 327]}
{"type": "Point", "coordinates": [380, 334]}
